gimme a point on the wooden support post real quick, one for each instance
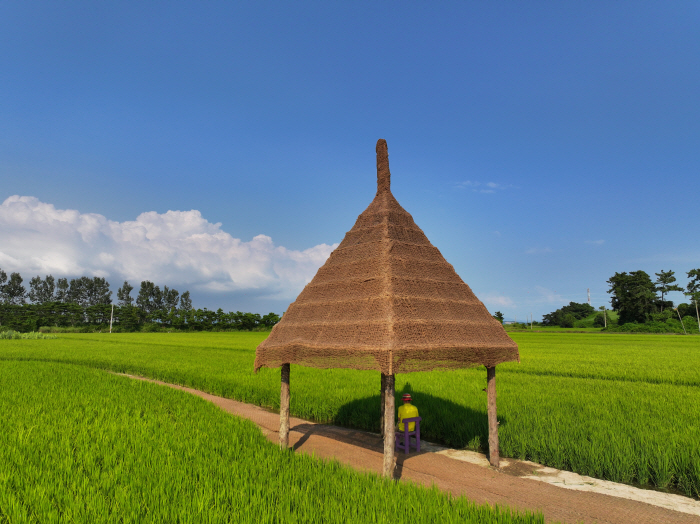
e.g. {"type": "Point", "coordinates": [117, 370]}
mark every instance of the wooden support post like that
{"type": "Point", "coordinates": [284, 408]}
{"type": "Point", "coordinates": [494, 457]}
{"type": "Point", "coordinates": [389, 427]}
{"type": "Point", "coordinates": [382, 400]}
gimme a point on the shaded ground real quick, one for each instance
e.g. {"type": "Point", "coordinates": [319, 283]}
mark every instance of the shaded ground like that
{"type": "Point", "coordinates": [561, 496]}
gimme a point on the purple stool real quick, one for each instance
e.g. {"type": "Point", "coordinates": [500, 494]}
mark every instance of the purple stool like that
{"type": "Point", "coordinates": [406, 435]}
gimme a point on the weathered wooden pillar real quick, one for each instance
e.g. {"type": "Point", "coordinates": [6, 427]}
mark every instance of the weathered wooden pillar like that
{"type": "Point", "coordinates": [389, 427]}
{"type": "Point", "coordinates": [284, 408]}
{"type": "Point", "coordinates": [494, 457]}
{"type": "Point", "coordinates": [382, 401]}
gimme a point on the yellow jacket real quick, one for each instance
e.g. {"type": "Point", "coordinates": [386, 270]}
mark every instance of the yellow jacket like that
{"type": "Point", "coordinates": [407, 411]}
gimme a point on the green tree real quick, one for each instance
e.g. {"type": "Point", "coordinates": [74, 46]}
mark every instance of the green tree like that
{"type": "Point", "coordinates": [207, 318]}
{"type": "Point", "coordinates": [98, 314]}
{"type": "Point", "coordinates": [497, 315]}
{"type": "Point", "coordinates": [185, 302]}
{"type": "Point", "coordinates": [144, 300]}
{"type": "Point", "coordinates": [75, 313]}
{"type": "Point", "coordinates": [129, 317]}
{"type": "Point", "coordinates": [248, 321]}
{"type": "Point", "coordinates": [62, 289]}
{"type": "Point", "coordinates": [42, 291]}
{"type": "Point", "coordinates": [77, 291]}
{"type": "Point", "coordinates": [86, 291]}
{"type": "Point", "coordinates": [35, 289]}
{"type": "Point", "coordinates": [567, 320]}
{"type": "Point", "coordinates": [665, 284]}
{"type": "Point", "coordinates": [160, 305]}
{"type": "Point", "coordinates": [157, 299]}
{"type": "Point", "coordinates": [693, 290]}
{"type": "Point", "coordinates": [97, 292]}
{"type": "Point", "coordinates": [124, 294]}
{"type": "Point", "coordinates": [684, 309]}
{"type": "Point", "coordinates": [633, 296]}
{"type": "Point", "coordinates": [170, 298]}
{"type": "Point", "coordinates": [271, 319]}
{"type": "Point", "coordinates": [574, 309]}
{"type": "Point", "coordinates": [14, 292]}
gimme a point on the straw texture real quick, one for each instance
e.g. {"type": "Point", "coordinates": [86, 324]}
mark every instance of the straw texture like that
{"type": "Point", "coordinates": [386, 299]}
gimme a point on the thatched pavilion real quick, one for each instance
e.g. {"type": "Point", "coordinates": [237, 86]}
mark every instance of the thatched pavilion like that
{"type": "Point", "coordinates": [387, 300]}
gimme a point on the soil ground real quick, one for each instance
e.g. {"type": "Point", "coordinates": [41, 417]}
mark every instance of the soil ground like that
{"type": "Point", "coordinates": [560, 496]}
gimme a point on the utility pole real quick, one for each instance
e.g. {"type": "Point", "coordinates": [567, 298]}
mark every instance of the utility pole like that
{"type": "Point", "coordinates": [111, 317]}
{"type": "Point", "coordinates": [679, 318]}
{"type": "Point", "coordinates": [605, 317]}
{"type": "Point", "coordinates": [589, 296]}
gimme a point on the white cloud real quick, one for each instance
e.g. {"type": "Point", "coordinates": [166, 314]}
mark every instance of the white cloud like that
{"type": "Point", "coordinates": [177, 248]}
{"type": "Point", "coordinates": [595, 242]}
{"type": "Point", "coordinates": [493, 300]}
{"type": "Point", "coordinates": [547, 296]}
{"type": "Point", "coordinates": [482, 187]}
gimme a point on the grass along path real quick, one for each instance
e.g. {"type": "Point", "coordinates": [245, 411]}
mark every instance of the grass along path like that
{"type": "Point", "coordinates": [617, 407]}
{"type": "Point", "coordinates": [468, 473]}
{"type": "Point", "coordinates": [81, 445]}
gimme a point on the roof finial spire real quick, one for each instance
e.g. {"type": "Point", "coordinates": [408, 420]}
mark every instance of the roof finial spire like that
{"type": "Point", "coordinates": [383, 174]}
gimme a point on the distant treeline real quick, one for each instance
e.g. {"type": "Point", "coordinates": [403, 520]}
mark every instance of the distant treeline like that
{"type": "Point", "coordinates": [641, 305]}
{"type": "Point", "coordinates": [85, 304]}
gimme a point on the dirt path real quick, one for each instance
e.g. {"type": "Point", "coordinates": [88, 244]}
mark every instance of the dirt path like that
{"type": "Point", "coordinates": [464, 473]}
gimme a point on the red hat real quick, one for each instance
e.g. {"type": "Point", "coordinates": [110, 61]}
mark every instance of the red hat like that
{"type": "Point", "coordinates": [406, 397]}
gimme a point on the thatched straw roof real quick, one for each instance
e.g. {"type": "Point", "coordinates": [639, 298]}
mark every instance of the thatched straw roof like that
{"type": "Point", "coordinates": [386, 299]}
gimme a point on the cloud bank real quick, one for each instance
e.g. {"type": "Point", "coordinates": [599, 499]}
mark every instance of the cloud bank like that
{"type": "Point", "coordinates": [177, 248]}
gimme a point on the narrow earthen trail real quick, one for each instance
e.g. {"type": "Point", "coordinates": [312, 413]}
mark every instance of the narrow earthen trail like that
{"type": "Point", "coordinates": [363, 451]}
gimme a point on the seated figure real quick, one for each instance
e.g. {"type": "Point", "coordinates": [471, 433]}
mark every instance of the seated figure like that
{"type": "Point", "coordinates": [407, 410]}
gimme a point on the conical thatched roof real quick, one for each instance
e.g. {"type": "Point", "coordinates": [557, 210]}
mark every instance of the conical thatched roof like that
{"type": "Point", "coordinates": [386, 299]}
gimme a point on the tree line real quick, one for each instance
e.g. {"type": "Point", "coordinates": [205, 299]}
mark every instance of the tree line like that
{"type": "Point", "coordinates": [638, 300]}
{"type": "Point", "coordinates": [85, 303]}
{"type": "Point", "coordinates": [568, 315]}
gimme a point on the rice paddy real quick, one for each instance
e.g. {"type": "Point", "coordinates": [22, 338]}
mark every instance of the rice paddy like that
{"type": "Point", "coordinates": [81, 445]}
{"type": "Point", "coordinates": [617, 407]}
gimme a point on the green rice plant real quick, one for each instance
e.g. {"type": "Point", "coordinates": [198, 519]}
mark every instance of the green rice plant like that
{"type": "Point", "coordinates": [684, 465]}
{"type": "Point", "coordinates": [657, 359]}
{"type": "Point", "coordinates": [662, 468]}
{"type": "Point", "coordinates": [617, 407]}
{"type": "Point", "coordinates": [80, 445]}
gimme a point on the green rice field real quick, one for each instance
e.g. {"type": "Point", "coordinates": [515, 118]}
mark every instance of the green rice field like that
{"type": "Point", "coordinates": [612, 406]}
{"type": "Point", "coordinates": [82, 445]}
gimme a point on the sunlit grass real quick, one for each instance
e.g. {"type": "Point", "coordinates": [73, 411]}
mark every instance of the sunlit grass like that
{"type": "Point", "coordinates": [618, 407]}
{"type": "Point", "coordinates": [82, 445]}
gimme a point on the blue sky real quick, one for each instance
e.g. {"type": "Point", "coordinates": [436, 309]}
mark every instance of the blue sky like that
{"type": "Point", "coordinates": [541, 146]}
